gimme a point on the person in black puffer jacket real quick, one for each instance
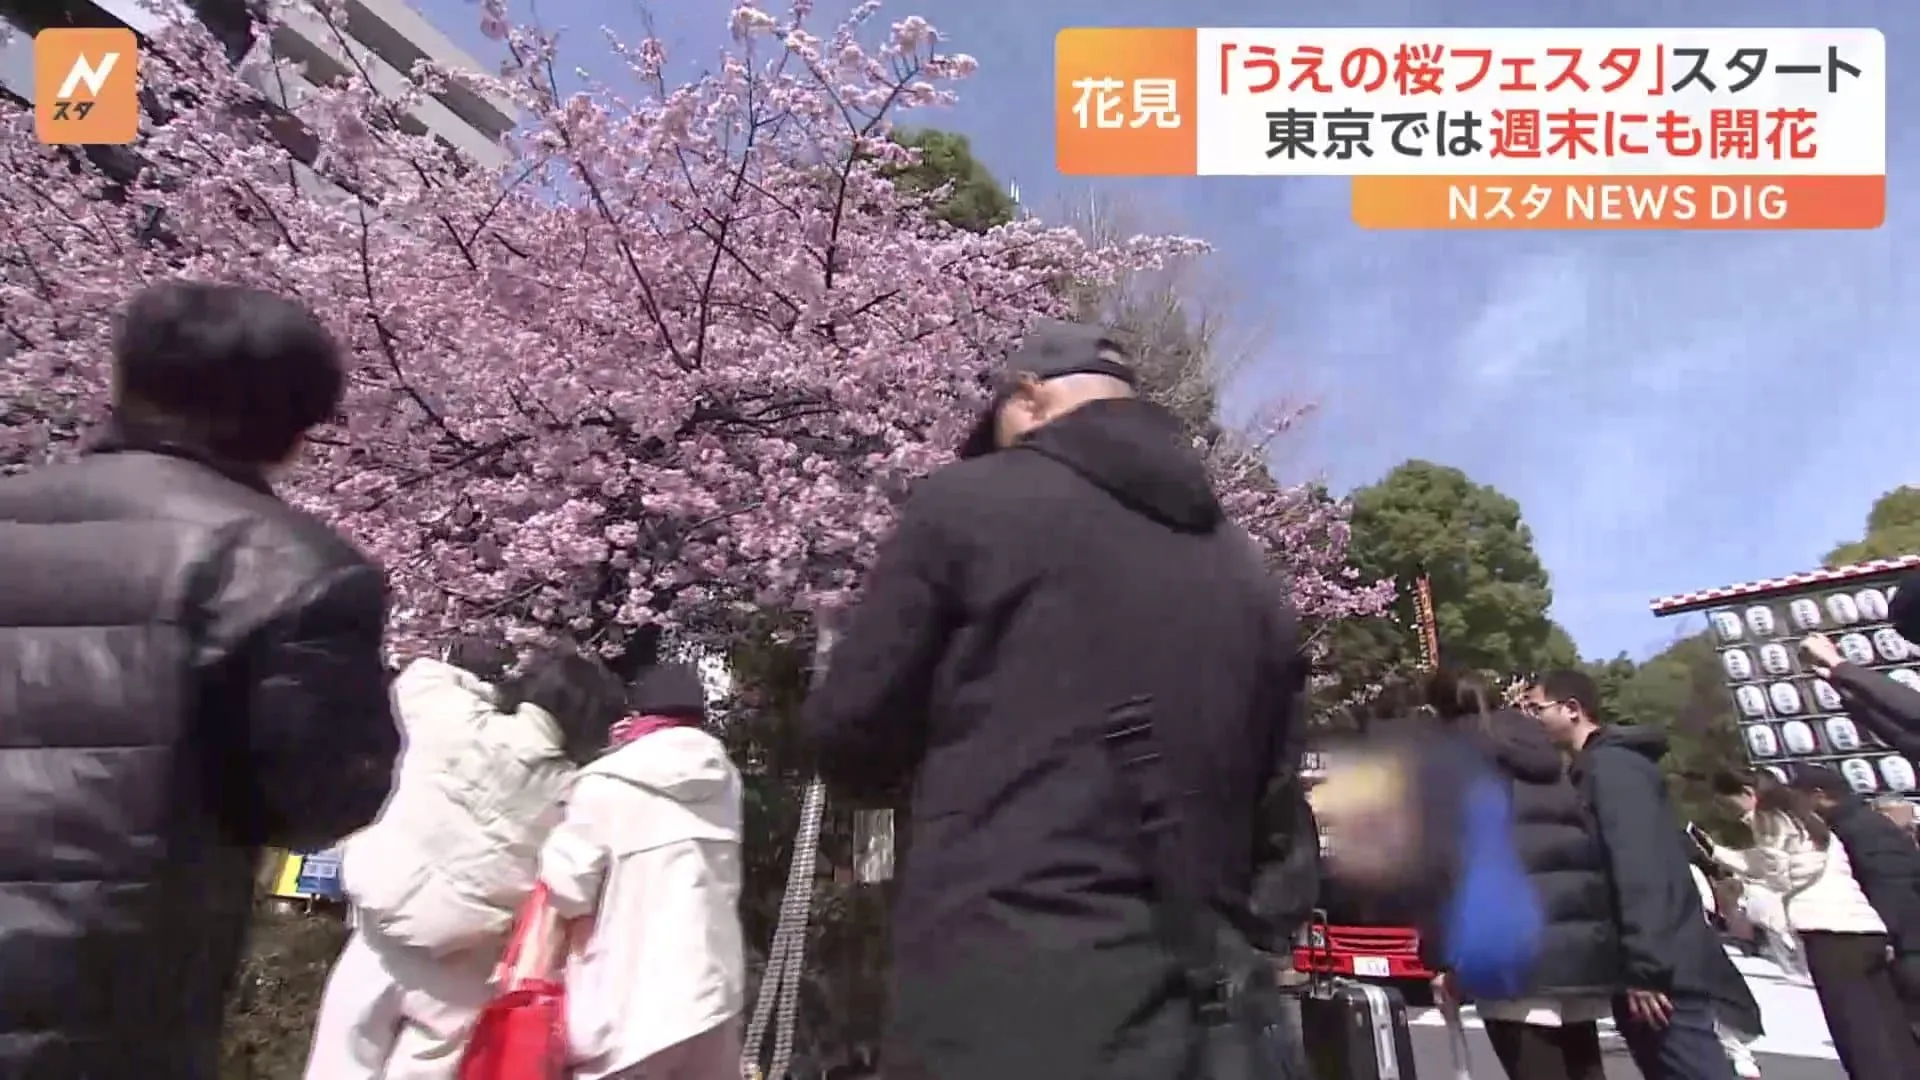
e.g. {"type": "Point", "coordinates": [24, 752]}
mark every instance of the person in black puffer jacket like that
{"type": "Point", "coordinates": [1551, 1033]}
{"type": "Point", "coordinates": [189, 671]}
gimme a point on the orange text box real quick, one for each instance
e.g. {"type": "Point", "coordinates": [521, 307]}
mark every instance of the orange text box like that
{"type": "Point", "coordinates": [1619, 202]}
{"type": "Point", "coordinates": [1125, 102]}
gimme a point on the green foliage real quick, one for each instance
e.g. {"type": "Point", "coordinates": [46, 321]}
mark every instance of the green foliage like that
{"type": "Point", "coordinates": [1490, 593]}
{"type": "Point", "coordinates": [843, 990]}
{"type": "Point", "coordinates": [976, 202]}
{"type": "Point", "coordinates": [1680, 691]}
{"type": "Point", "coordinates": [1613, 677]}
{"type": "Point", "coordinates": [1182, 330]}
{"type": "Point", "coordinates": [276, 998]}
{"type": "Point", "coordinates": [1173, 352]}
{"type": "Point", "coordinates": [1893, 528]}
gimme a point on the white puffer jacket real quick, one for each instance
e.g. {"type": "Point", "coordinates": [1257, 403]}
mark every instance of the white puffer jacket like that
{"type": "Point", "coordinates": [455, 852]}
{"type": "Point", "coordinates": [650, 854]}
{"type": "Point", "coordinates": [1816, 882]}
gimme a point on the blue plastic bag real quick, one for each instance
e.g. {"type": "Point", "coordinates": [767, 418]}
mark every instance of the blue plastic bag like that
{"type": "Point", "coordinates": [1492, 923]}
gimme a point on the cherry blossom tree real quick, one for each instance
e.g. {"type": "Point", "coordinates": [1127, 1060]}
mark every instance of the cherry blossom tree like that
{"type": "Point", "coordinates": [672, 367]}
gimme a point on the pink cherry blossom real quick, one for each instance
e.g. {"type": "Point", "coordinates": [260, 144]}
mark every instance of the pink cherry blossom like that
{"type": "Point", "coordinates": [673, 365]}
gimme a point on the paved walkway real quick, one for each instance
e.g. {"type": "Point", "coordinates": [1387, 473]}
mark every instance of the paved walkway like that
{"type": "Point", "coordinates": [1795, 1047]}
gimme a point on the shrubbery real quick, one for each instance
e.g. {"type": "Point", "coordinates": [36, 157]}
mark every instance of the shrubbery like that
{"type": "Point", "coordinates": [277, 995]}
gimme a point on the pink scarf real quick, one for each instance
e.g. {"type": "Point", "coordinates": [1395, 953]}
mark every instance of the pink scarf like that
{"type": "Point", "coordinates": [634, 727]}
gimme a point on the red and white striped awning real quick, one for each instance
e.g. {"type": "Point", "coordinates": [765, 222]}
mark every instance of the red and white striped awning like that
{"type": "Point", "coordinates": [1680, 603]}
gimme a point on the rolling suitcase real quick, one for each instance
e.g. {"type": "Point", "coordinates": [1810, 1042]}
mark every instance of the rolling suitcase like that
{"type": "Point", "coordinates": [1355, 1031]}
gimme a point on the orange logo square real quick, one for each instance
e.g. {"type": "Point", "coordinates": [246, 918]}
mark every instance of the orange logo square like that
{"type": "Point", "coordinates": [86, 86]}
{"type": "Point", "coordinates": [1125, 101]}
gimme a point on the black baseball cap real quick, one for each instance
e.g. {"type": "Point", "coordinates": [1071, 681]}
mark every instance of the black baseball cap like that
{"type": "Point", "coordinates": [669, 690]}
{"type": "Point", "coordinates": [1819, 778]}
{"type": "Point", "coordinates": [1051, 349]}
{"type": "Point", "coordinates": [1904, 612]}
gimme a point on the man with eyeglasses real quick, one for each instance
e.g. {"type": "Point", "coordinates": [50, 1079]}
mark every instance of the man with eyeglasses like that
{"type": "Point", "coordinates": [1678, 976]}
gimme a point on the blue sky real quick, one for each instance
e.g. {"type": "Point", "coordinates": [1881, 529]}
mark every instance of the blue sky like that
{"type": "Point", "coordinates": [1673, 411]}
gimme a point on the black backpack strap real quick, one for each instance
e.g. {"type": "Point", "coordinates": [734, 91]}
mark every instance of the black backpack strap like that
{"type": "Point", "coordinates": [1187, 924]}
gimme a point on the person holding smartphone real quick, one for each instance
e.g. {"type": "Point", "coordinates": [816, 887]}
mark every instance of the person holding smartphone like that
{"type": "Point", "coordinates": [1760, 906]}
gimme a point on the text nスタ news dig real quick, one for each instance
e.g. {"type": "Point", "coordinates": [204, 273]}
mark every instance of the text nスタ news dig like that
{"type": "Point", "coordinates": [1647, 199]}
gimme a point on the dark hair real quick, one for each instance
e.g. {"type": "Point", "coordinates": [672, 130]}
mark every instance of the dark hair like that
{"type": "Point", "coordinates": [669, 690]}
{"type": "Point", "coordinates": [1904, 609]}
{"type": "Point", "coordinates": [1456, 694]}
{"type": "Point", "coordinates": [1398, 698]}
{"type": "Point", "coordinates": [1729, 784]}
{"type": "Point", "coordinates": [1575, 687]}
{"type": "Point", "coordinates": [581, 694]}
{"type": "Point", "coordinates": [485, 657]}
{"type": "Point", "coordinates": [237, 371]}
{"type": "Point", "coordinates": [1773, 797]}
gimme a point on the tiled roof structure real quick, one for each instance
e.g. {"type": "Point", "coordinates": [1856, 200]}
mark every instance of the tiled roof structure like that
{"type": "Point", "coordinates": [1751, 590]}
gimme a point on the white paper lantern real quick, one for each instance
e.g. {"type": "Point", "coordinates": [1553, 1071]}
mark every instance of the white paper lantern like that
{"type": "Point", "coordinates": [1786, 699]}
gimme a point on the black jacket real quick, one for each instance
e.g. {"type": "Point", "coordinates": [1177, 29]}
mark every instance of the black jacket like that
{"type": "Point", "coordinates": [1886, 864]}
{"type": "Point", "coordinates": [1025, 596]}
{"type": "Point", "coordinates": [1666, 941]}
{"type": "Point", "coordinates": [189, 669]}
{"type": "Point", "coordinates": [1558, 843]}
{"type": "Point", "coordinates": [1886, 708]}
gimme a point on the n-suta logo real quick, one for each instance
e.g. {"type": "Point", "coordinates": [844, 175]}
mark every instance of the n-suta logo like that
{"type": "Point", "coordinates": [86, 86]}
{"type": "Point", "coordinates": [66, 106]}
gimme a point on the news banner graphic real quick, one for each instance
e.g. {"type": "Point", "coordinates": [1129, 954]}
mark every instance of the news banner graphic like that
{"type": "Point", "coordinates": [1788, 714]}
{"type": "Point", "coordinates": [86, 86]}
{"type": "Point", "coordinates": [1498, 128]}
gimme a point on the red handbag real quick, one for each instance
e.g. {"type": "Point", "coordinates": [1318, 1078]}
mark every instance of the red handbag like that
{"type": "Point", "coordinates": [522, 1032]}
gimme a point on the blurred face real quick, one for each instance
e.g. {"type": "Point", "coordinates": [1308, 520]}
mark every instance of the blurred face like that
{"type": "Point", "coordinates": [1741, 804]}
{"type": "Point", "coordinates": [1364, 807]}
{"type": "Point", "coordinates": [1561, 719]}
{"type": "Point", "coordinates": [1900, 813]}
{"type": "Point", "coordinates": [1024, 410]}
{"type": "Point", "coordinates": [1035, 403]}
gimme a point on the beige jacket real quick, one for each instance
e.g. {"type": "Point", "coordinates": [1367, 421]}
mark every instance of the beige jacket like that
{"type": "Point", "coordinates": [453, 855]}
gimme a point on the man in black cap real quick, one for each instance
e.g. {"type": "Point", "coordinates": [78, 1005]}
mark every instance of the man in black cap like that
{"type": "Point", "coordinates": [1059, 366]}
{"type": "Point", "coordinates": [1885, 865]}
{"type": "Point", "coordinates": [1074, 570]}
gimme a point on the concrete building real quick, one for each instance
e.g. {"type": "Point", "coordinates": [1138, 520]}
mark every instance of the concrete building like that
{"type": "Point", "coordinates": [398, 37]}
{"type": "Point", "coordinates": [387, 36]}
